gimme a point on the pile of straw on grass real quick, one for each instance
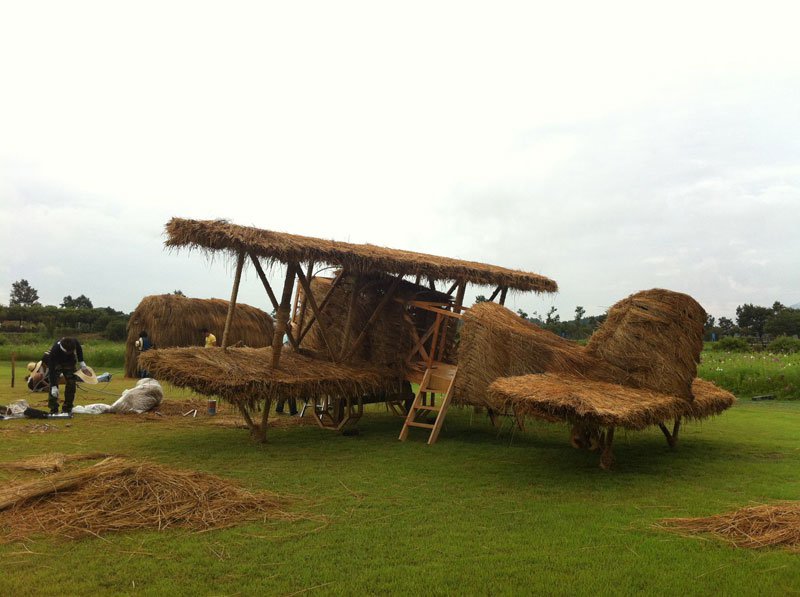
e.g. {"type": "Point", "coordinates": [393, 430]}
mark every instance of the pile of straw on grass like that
{"type": "Point", "coordinates": [245, 375]}
{"type": "Point", "coordinates": [173, 320]}
{"type": "Point", "coordinates": [774, 525]}
{"type": "Point", "coordinates": [123, 495]}
{"type": "Point", "coordinates": [49, 463]}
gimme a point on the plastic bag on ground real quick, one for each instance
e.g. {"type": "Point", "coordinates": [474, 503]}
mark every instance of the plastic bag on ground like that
{"type": "Point", "coordinates": [146, 396]}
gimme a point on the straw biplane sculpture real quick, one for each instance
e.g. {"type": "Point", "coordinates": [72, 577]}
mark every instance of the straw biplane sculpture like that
{"type": "Point", "coordinates": [639, 369]}
{"type": "Point", "coordinates": [362, 336]}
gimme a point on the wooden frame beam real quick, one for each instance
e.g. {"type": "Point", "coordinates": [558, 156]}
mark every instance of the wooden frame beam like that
{"type": "Point", "coordinates": [234, 294]}
{"type": "Point", "coordinates": [273, 300]}
{"type": "Point", "coordinates": [384, 301]}
{"type": "Point", "coordinates": [322, 306]}
{"type": "Point", "coordinates": [315, 309]}
{"type": "Point", "coordinates": [282, 314]}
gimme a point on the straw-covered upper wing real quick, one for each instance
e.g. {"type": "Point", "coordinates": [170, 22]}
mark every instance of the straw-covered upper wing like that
{"type": "Point", "coordinates": [557, 397]}
{"type": "Point", "coordinates": [245, 375]}
{"type": "Point", "coordinates": [219, 235]}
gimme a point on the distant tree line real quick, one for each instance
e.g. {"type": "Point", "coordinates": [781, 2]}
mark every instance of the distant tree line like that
{"type": "Point", "coordinates": [760, 323]}
{"type": "Point", "coordinates": [25, 313]}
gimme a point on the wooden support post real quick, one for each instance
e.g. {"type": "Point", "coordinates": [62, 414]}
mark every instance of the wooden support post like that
{"type": "Point", "coordinates": [262, 428]}
{"type": "Point", "coordinates": [462, 289]}
{"type": "Point", "coordinates": [503, 295]}
{"type": "Point", "coordinates": [495, 293]}
{"type": "Point", "coordinates": [232, 304]}
{"type": "Point", "coordinates": [275, 305]}
{"type": "Point", "coordinates": [282, 314]}
{"type": "Point", "coordinates": [301, 317]}
{"type": "Point", "coordinates": [322, 305]}
{"type": "Point", "coordinates": [315, 308]}
{"type": "Point", "coordinates": [384, 301]}
{"type": "Point", "coordinates": [436, 326]}
{"type": "Point", "coordinates": [351, 308]}
{"type": "Point", "coordinates": [452, 288]}
{"type": "Point", "coordinates": [13, 367]}
{"type": "Point", "coordinates": [607, 457]}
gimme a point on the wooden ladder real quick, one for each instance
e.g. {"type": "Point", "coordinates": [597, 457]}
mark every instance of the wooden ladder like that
{"type": "Point", "coordinates": [438, 379]}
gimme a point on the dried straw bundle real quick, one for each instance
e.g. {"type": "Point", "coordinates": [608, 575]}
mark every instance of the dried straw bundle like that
{"type": "Point", "coordinates": [776, 525]}
{"type": "Point", "coordinates": [123, 495]}
{"type": "Point", "coordinates": [49, 463]}
{"type": "Point", "coordinates": [579, 400]}
{"type": "Point", "coordinates": [497, 343]}
{"type": "Point", "coordinates": [512, 365]}
{"type": "Point", "coordinates": [172, 320]}
{"type": "Point", "coordinates": [245, 375]}
{"type": "Point", "coordinates": [655, 337]}
{"type": "Point", "coordinates": [388, 339]}
{"type": "Point", "coordinates": [219, 235]}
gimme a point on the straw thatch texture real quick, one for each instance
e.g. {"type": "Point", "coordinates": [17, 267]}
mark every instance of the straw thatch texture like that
{"type": "Point", "coordinates": [219, 235]}
{"type": "Point", "coordinates": [658, 330]}
{"type": "Point", "coordinates": [389, 338]}
{"type": "Point", "coordinates": [49, 463]}
{"type": "Point", "coordinates": [656, 337]}
{"type": "Point", "coordinates": [773, 525]}
{"type": "Point", "coordinates": [579, 400]}
{"type": "Point", "coordinates": [245, 375]}
{"type": "Point", "coordinates": [122, 495]}
{"type": "Point", "coordinates": [497, 343]}
{"type": "Point", "coordinates": [172, 320]}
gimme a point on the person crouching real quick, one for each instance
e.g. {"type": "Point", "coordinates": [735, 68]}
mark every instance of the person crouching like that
{"type": "Point", "coordinates": [62, 359]}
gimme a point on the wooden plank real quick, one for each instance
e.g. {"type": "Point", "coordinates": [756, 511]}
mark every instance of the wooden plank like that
{"type": "Point", "coordinates": [458, 306]}
{"type": "Point", "coordinates": [503, 295]}
{"type": "Point", "coordinates": [232, 304]}
{"type": "Point", "coordinates": [435, 339]}
{"type": "Point", "coordinates": [495, 293]}
{"type": "Point", "coordinates": [423, 425]}
{"type": "Point", "coordinates": [437, 427]}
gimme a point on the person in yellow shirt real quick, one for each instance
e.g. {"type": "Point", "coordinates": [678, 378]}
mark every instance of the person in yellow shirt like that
{"type": "Point", "coordinates": [211, 339]}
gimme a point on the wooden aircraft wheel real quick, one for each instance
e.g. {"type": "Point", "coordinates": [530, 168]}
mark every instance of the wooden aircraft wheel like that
{"type": "Point", "coordinates": [334, 412]}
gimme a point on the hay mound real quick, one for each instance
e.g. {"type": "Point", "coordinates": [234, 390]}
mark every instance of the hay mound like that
{"type": "Point", "coordinates": [776, 525]}
{"type": "Point", "coordinates": [117, 494]}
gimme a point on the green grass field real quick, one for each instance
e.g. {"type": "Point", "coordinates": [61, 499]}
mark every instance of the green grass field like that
{"type": "Point", "coordinates": [481, 512]}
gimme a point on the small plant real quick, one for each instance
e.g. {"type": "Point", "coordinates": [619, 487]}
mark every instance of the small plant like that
{"type": "Point", "coordinates": [732, 344]}
{"type": "Point", "coordinates": [784, 344]}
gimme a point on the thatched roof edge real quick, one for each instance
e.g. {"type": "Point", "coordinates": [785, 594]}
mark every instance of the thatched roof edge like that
{"type": "Point", "coordinates": [220, 235]}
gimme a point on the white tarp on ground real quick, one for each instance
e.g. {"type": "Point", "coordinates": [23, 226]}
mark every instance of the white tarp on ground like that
{"type": "Point", "coordinates": [146, 396]}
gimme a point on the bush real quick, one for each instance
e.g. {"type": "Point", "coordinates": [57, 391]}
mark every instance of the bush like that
{"type": "Point", "coordinates": [784, 344]}
{"type": "Point", "coordinates": [116, 330]}
{"type": "Point", "coordinates": [731, 344]}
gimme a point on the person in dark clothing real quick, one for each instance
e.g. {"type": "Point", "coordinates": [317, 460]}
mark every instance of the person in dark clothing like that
{"type": "Point", "coordinates": [62, 359]}
{"type": "Point", "coordinates": [143, 344]}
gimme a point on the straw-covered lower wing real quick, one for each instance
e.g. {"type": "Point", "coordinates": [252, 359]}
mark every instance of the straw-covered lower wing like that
{"type": "Point", "coordinates": [245, 376]}
{"type": "Point", "coordinates": [572, 399]}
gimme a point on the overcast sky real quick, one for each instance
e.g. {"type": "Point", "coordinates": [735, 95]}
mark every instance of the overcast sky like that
{"type": "Point", "coordinates": [611, 146]}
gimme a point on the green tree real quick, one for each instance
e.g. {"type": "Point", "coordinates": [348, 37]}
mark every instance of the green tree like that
{"type": "Point", "coordinates": [752, 318]}
{"type": "Point", "coordinates": [726, 326]}
{"type": "Point", "coordinates": [480, 299]}
{"type": "Point", "coordinates": [23, 295]}
{"type": "Point", "coordinates": [522, 314]}
{"type": "Point", "coordinates": [82, 302]}
{"type": "Point", "coordinates": [178, 292]}
{"type": "Point", "coordinates": [552, 317]}
{"type": "Point", "coordinates": [785, 322]}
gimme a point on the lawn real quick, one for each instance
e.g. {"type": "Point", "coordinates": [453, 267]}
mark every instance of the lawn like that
{"type": "Point", "coordinates": [481, 512]}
